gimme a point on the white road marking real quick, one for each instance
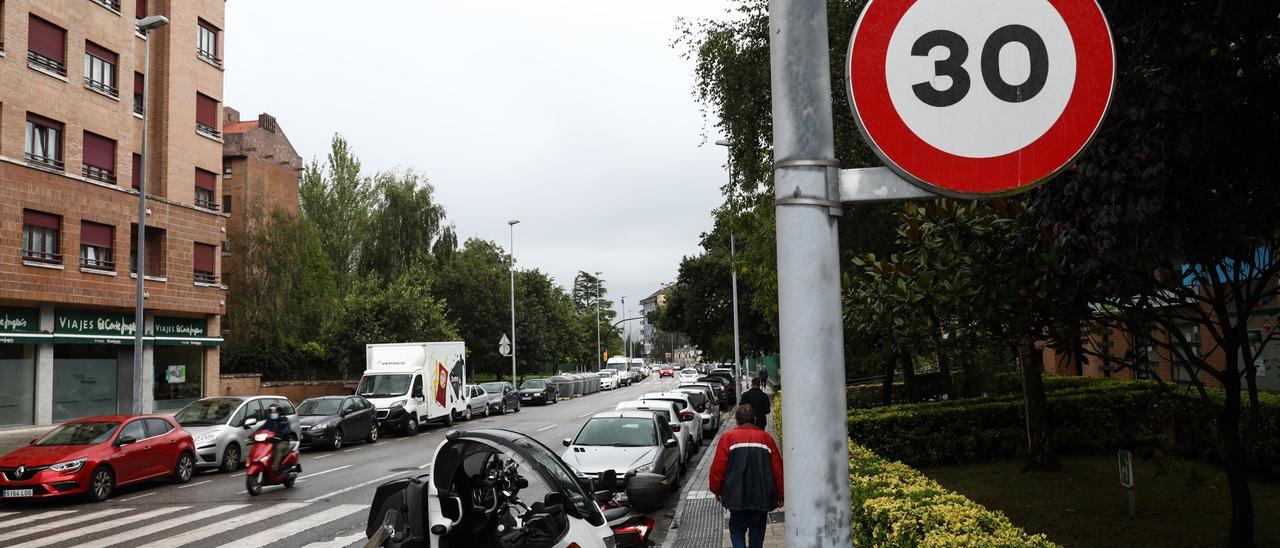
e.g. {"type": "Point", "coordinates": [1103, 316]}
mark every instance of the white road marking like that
{"type": "Point", "coordinates": [354, 487]}
{"type": "Point", "coordinates": [135, 498]}
{"type": "Point", "coordinates": [132, 535]}
{"type": "Point", "coordinates": [35, 517]}
{"type": "Point", "coordinates": [339, 542]}
{"type": "Point", "coordinates": [325, 471]}
{"type": "Point", "coordinates": [273, 510]}
{"type": "Point", "coordinates": [98, 527]}
{"type": "Point", "coordinates": [236, 475]}
{"type": "Point", "coordinates": [323, 456]}
{"type": "Point", "coordinates": [586, 415]}
{"type": "Point", "coordinates": [352, 449]}
{"type": "Point", "coordinates": [195, 484]}
{"type": "Point", "coordinates": [548, 427]}
{"type": "Point", "coordinates": [424, 466]}
{"type": "Point", "coordinates": [295, 526]}
{"type": "Point", "coordinates": [49, 526]}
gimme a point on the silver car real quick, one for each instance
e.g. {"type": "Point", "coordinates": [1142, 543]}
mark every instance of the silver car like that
{"type": "Point", "coordinates": [221, 426]}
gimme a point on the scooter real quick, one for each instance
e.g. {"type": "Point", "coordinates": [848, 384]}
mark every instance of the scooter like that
{"type": "Point", "coordinates": [630, 528]}
{"type": "Point", "coordinates": [260, 472]}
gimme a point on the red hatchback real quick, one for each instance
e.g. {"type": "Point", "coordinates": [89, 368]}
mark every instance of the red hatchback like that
{"type": "Point", "coordinates": [666, 371]}
{"type": "Point", "coordinates": [95, 455]}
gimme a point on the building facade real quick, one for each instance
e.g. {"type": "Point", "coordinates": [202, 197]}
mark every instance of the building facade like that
{"type": "Point", "coordinates": [650, 304]}
{"type": "Point", "coordinates": [260, 173]}
{"type": "Point", "coordinates": [71, 161]}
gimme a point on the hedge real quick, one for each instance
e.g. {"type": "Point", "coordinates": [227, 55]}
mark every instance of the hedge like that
{"type": "Point", "coordinates": [1094, 416]}
{"type": "Point", "coordinates": [894, 505]}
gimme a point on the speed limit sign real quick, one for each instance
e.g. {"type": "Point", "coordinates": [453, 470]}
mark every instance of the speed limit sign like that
{"type": "Point", "coordinates": [980, 97]}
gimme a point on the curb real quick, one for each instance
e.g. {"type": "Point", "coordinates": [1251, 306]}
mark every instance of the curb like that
{"type": "Point", "coordinates": [703, 468]}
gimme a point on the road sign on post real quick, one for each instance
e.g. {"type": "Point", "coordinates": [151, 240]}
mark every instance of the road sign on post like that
{"type": "Point", "coordinates": [504, 346]}
{"type": "Point", "coordinates": [1126, 478]}
{"type": "Point", "coordinates": [973, 99]}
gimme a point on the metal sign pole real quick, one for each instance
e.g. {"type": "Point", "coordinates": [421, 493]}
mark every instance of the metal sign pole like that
{"type": "Point", "coordinates": [811, 334]}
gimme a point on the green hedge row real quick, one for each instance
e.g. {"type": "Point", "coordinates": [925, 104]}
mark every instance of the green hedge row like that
{"type": "Point", "coordinates": [893, 505]}
{"type": "Point", "coordinates": [1097, 415]}
{"type": "Point", "coordinates": [871, 394]}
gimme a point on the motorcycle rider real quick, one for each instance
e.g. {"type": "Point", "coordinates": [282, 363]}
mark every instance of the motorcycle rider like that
{"type": "Point", "coordinates": [278, 424]}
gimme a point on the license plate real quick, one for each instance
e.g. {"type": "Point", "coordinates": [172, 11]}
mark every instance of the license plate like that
{"type": "Point", "coordinates": [19, 493]}
{"type": "Point", "coordinates": [525, 397]}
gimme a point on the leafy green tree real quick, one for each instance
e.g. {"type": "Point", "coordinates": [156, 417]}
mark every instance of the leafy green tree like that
{"type": "Point", "coordinates": [338, 200]}
{"type": "Point", "coordinates": [404, 310]}
{"type": "Point", "coordinates": [406, 225]}
{"type": "Point", "coordinates": [474, 284]}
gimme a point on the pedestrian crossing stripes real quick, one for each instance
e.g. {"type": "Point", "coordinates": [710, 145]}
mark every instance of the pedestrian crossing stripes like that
{"type": "Point", "coordinates": [28, 519]}
{"type": "Point", "coordinates": [98, 527]}
{"type": "Point", "coordinates": [33, 529]}
{"type": "Point", "coordinates": [295, 526]}
{"type": "Point", "coordinates": [278, 510]}
{"type": "Point", "coordinates": [140, 532]}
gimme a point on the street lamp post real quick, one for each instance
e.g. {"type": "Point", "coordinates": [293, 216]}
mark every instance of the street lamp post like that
{"type": "Point", "coordinates": [512, 226]}
{"type": "Point", "coordinates": [145, 26]}
{"type": "Point", "coordinates": [598, 322]}
{"type": "Point", "coordinates": [733, 275]}
{"type": "Point", "coordinates": [626, 333]}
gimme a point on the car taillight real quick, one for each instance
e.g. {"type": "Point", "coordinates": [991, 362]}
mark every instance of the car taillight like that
{"type": "Point", "coordinates": [686, 415]}
{"type": "Point", "coordinates": [675, 428]}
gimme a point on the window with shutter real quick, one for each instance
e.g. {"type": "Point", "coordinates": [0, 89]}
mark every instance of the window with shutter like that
{"type": "Point", "coordinates": [41, 233]}
{"type": "Point", "coordinates": [138, 82]}
{"type": "Point", "coordinates": [46, 46]}
{"type": "Point", "coordinates": [44, 142]}
{"type": "Point", "coordinates": [137, 171]}
{"type": "Point", "coordinates": [207, 43]}
{"type": "Point", "coordinates": [140, 9]}
{"type": "Point", "coordinates": [95, 246]}
{"type": "Point", "coordinates": [206, 188]}
{"type": "Point", "coordinates": [100, 69]}
{"type": "Point", "coordinates": [204, 263]}
{"type": "Point", "coordinates": [99, 158]}
{"type": "Point", "coordinates": [207, 115]}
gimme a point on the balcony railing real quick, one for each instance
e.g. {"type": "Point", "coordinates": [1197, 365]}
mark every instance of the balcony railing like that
{"type": "Point", "coordinates": [41, 62]}
{"type": "Point", "coordinates": [97, 264]}
{"type": "Point", "coordinates": [113, 4]}
{"type": "Point", "coordinates": [101, 86]}
{"type": "Point", "coordinates": [207, 129]}
{"type": "Point", "coordinates": [206, 204]}
{"type": "Point", "coordinates": [98, 174]}
{"type": "Point", "coordinates": [209, 56]}
{"type": "Point", "coordinates": [43, 161]}
{"type": "Point", "coordinates": [41, 257]}
{"type": "Point", "coordinates": [205, 277]}
{"type": "Point", "coordinates": [137, 104]}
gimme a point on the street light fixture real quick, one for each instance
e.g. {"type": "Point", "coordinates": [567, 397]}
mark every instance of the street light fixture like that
{"type": "Point", "coordinates": [598, 360]}
{"type": "Point", "coordinates": [144, 26]}
{"type": "Point", "coordinates": [733, 275]}
{"type": "Point", "coordinates": [512, 226]}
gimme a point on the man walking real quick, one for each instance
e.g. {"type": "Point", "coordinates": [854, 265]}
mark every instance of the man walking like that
{"type": "Point", "coordinates": [759, 402]}
{"type": "Point", "coordinates": [746, 476]}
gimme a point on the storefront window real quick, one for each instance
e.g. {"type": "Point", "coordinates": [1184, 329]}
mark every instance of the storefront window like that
{"type": "Point", "coordinates": [84, 381]}
{"type": "Point", "coordinates": [179, 375]}
{"type": "Point", "coordinates": [17, 383]}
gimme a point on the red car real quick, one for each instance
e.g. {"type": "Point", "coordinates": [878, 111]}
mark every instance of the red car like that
{"type": "Point", "coordinates": [666, 371]}
{"type": "Point", "coordinates": [93, 456]}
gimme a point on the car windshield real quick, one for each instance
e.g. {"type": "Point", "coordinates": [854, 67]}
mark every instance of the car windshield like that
{"type": "Point", "coordinates": [80, 433]}
{"type": "Point", "coordinates": [535, 383]}
{"type": "Point", "coordinates": [606, 372]}
{"type": "Point", "coordinates": [688, 371]}
{"type": "Point", "coordinates": [697, 398]}
{"type": "Point", "coordinates": [207, 412]}
{"type": "Point", "coordinates": [618, 432]}
{"type": "Point", "coordinates": [384, 386]}
{"type": "Point", "coordinates": [680, 404]}
{"type": "Point", "coordinates": [320, 406]}
{"type": "Point", "coordinates": [494, 387]}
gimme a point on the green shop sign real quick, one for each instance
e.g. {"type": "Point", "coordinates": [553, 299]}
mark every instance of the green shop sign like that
{"type": "Point", "coordinates": [91, 327]}
{"type": "Point", "coordinates": [21, 326]}
{"type": "Point", "coordinates": [182, 332]}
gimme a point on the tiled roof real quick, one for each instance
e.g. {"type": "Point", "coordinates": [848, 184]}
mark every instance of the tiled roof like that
{"type": "Point", "coordinates": [240, 127]}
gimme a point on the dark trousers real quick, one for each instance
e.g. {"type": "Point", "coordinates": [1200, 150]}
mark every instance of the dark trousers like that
{"type": "Point", "coordinates": [746, 528]}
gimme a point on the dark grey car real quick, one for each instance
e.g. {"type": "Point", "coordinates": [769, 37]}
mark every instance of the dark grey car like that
{"type": "Point", "coordinates": [502, 397]}
{"type": "Point", "coordinates": [332, 421]}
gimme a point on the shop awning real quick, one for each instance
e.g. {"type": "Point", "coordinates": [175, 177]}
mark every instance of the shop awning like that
{"type": "Point", "coordinates": [185, 341]}
{"type": "Point", "coordinates": [25, 338]}
{"type": "Point", "coordinates": [62, 338]}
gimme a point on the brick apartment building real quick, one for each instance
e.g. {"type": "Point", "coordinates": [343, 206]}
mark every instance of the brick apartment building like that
{"type": "Point", "coordinates": [260, 171]}
{"type": "Point", "coordinates": [70, 157]}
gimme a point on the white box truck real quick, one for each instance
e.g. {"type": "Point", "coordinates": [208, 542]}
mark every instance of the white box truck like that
{"type": "Point", "coordinates": [414, 383]}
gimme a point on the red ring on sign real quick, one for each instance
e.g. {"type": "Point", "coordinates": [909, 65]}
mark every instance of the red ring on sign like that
{"type": "Point", "coordinates": [954, 175]}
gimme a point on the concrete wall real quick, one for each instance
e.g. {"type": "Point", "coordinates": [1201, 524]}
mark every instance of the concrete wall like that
{"type": "Point", "coordinates": [296, 391]}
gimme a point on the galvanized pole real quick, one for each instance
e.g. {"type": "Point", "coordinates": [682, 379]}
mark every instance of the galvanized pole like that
{"type": "Point", "coordinates": [626, 333]}
{"type": "Point", "coordinates": [811, 335]}
{"type": "Point", "coordinates": [512, 225]}
{"type": "Point", "coordinates": [598, 322]}
{"type": "Point", "coordinates": [737, 356]}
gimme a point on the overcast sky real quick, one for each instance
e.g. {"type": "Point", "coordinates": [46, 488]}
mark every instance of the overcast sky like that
{"type": "Point", "coordinates": [574, 116]}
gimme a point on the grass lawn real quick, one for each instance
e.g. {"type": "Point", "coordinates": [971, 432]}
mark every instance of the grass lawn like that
{"type": "Point", "coordinates": [1083, 505]}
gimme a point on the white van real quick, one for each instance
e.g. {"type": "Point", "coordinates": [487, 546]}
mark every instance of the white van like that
{"type": "Point", "coordinates": [413, 383]}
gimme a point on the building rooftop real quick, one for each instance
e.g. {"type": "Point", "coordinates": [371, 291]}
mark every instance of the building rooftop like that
{"type": "Point", "coordinates": [240, 127]}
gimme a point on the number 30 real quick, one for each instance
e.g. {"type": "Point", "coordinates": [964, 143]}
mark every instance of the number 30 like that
{"type": "Point", "coordinates": [958, 51]}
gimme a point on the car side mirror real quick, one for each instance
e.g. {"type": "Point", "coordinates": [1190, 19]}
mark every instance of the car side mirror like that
{"type": "Point", "coordinates": [417, 393]}
{"type": "Point", "coordinates": [567, 442]}
{"type": "Point", "coordinates": [249, 422]}
{"type": "Point", "coordinates": [125, 440]}
{"type": "Point", "coordinates": [670, 443]}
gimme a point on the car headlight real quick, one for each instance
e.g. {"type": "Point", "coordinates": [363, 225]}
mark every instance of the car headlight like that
{"type": "Point", "coordinates": [643, 468]}
{"type": "Point", "coordinates": [69, 466]}
{"type": "Point", "coordinates": [206, 437]}
{"type": "Point", "coordinates": [399, 403]}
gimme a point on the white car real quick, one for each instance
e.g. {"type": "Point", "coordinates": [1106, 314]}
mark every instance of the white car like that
{"type": "Point", "coordinates": [688, 375]}
{"type": "Point", "coordinates": [691, 420]}
{"type": "Point", "coordinates": [702, 393]}
{"type": "Point", "coordinates": [683, 435]}
{"type": "Point", "coordinates": [608, 379]}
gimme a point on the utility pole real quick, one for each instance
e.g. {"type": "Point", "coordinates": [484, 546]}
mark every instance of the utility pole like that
{"type": "Point", "coordinates": [810, 330]}
{"type": "Point", "coordinates": [626, 333]}
{"type": "Point", "coordinates": [598, 354]}
{"type": "Point", "coordinates": [512, 225]}
{"type": "Point", "coordinates": [733, 274]}
{"type": "Point", "coordinates": [145, 26]}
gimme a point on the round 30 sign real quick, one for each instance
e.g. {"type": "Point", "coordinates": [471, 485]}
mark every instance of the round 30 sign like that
{"type": "Point", "coordinates": [980, 98]}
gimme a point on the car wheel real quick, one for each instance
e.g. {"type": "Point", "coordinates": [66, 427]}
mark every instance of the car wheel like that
{"type": "Point", "coordinates": [184, 468]}
{"type": "Point", "coordinates": [411, 426]}
{"type": "Point", "coordinates": [517, 407]}
{"type": "Point", "coordinates": [448, 418]}
{"type": "Point", "coordinates": [503, 410]}
{"type": "Point", "coordinates": [373, 434]}
{"type": "Point", "coordinates": [101, 484]}
{"type": "Point", "coordinates": [231, 458]}
{"type": "Point", "coordinates": [336, 444]}
{"type": "Point", "coordinates": [466, 415]}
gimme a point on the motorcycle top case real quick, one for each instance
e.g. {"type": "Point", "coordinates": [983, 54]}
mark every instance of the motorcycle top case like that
{"type": "Point", "coordinates": [646, 491]}
{"type": "Point", "coordinates": [406, 500]}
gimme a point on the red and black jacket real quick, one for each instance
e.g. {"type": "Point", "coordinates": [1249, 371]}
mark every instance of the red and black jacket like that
{"type": "Point", "coordinates": [746, 472]}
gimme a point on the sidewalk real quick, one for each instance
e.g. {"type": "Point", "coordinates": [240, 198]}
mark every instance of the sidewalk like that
{"type": "Point", "coordinates": [700, 520]}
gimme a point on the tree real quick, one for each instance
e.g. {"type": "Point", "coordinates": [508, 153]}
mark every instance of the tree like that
{"type": "Point", "coordinates": [403, 310]}
{"type": "Point", "coordinates": [590, 291]}
{"type": "Point", "coordinates": [473, 283]}
{"type": "Point", "coordinates": [337, 199]}
{"type": "Point", "coordinates": [406, 225]}
{"type": "Point", "coordinates": [545, 321]}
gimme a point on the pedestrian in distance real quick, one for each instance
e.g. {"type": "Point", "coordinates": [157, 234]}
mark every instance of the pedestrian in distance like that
{"type": "Point", "coordinates": [759, 402]}
{"type": "Point", "coordinates": [746, 477]}
{"type": "Point", "coordinates": [764, 375]}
